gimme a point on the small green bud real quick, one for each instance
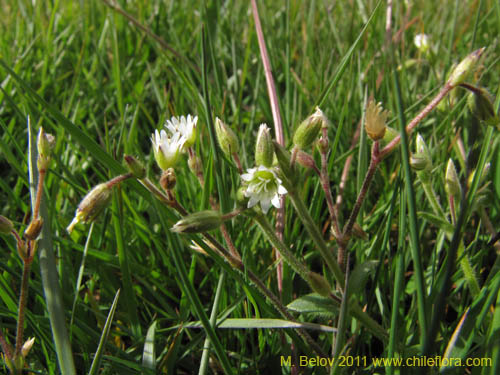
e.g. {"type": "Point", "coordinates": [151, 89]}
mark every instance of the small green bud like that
{"type": "Point", "coordinates": [306, 160]}
{"type": "Point", "coordinates": [319, 284]}
{"type": "Point", "coordinates": [452, 183]}
{"type": "Point", "coordinates": [481, 105]}
{"type": "Point", "coordinates": [421, 159]}
{"type": "Point", "coordinates": [33, 230]}
{"type": "Point", "coordinates": [308, 130]}
{"type": "Point", "coordinates": [6, 225]}
{"type": "Point", "coordinates": [228, 141]}
{"type": "Point", "coordinates": [241, 198]}
{"type": "Point", "coordinates": [486, 169]}
{"type": "Point", "coordinates": [168, 179]}
{"type": "Point", "coordinates": [198, 222]}
{"type": "Point", "coordinates": [91, 205]}
{"type": "Point", "coordinates": [135, 167]}
{"type": "Point", "coordinates": [45, 144]}
{"type": "Point", "coordinates": [375, 120]}
{"type": "Point", "coordinates": [264, 151]}
{"type": "Point", "coordinates": [464, 68]}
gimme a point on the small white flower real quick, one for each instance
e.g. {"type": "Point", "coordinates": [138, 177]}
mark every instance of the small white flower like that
{"type": "Point", "coordinates": [263, 186]}
{"type": "Point", "coordinates": [421, 41]}
{"type": "Point", "coordinates": [166, 148]}
{"type": "Point", "coordinates": [186, 126]}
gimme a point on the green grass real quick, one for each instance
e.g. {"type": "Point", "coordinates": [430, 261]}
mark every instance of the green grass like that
{"type": "Point", "coordinates": [102, 81]}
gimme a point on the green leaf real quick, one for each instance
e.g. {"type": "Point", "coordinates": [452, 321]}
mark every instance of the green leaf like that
{"type": "Point", "coordinates": [314, 304]}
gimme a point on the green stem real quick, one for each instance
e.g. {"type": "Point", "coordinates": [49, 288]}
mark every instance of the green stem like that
{"type": "Point", "coordinates": [316, 236]}
{"type": "Point", "coordinates": [23, 298]}
{"type": "Point", "coordinates": [431, 194]}
{"type": "Point", "coordinates": [297, 265]}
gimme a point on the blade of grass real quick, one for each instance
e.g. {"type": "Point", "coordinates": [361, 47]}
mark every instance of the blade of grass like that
{"type": "Point", "coordinates": [48, 270]}
{"type": "Point", "coordinates": [412, 210]}
{"type": "Point", "coordinates": [96, 363]}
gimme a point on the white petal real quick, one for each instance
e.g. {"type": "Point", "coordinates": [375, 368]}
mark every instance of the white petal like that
{"type": "Point", "coordinates": [282, 190]}
{"type": "Point", "coordinates": [252, 201]}
{"type": "Point", "coordinates": [276, 201]}
{"type": "Point", "coordinates": [265, 205]}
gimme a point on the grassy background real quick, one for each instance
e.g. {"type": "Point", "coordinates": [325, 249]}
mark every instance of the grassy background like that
{"type": "Point", "coordinates": [101, 86]}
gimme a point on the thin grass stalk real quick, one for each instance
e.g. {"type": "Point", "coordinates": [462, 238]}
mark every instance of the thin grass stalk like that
{"type": "Point", "coordinates": [412, 211]}
{"type": "Point", "coordinates": [48, 271]}
{"type": "Point", "coordinates": [213, 320]}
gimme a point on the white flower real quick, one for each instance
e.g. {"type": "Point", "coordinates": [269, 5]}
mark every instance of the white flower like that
{"type": "Point", "coordinates": [263, 186]}
{"type": "Point", "coordinates": [186, 126]}
{"type": "Point", "coordinates": [166, 148]}
{"type": "Point", "coordinates": [421, 41]}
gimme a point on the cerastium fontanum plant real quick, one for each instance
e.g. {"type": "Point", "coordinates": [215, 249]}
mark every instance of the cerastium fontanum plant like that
{"type": "Point", "coordinates": [276, 174]}
{"type": "Point", "coordinates": [15, 356]}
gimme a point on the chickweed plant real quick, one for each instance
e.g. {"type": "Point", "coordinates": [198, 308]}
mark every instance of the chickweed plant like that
{"type": "Point", "coordinates": [250, 188]}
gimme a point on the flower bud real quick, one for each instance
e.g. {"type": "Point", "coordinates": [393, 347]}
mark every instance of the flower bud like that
{"type": "Point", "coordinates": [481, 105]}
{"type": "Point", "coordinates": [308, 130]}
{"type": "Point", "coordinates": [463, 69]}
{"type": "Point", "coordinates": [241, 198]}
{"type": "Point", "coordinates": [91, 205]}
{"type": "Point", "coordinates": [452, 183]}
{"type": "Point", "coordinates": [486, 169]}
{"type": "Point", "coordinates": [421, 159]}
{"type": "Point", "coordinates": [319, 284]}
{"type": "Point", "coordinates": [375, 120]}
{"type": "Point", "coordinates": [264, 147]}
{"type": "Point", "coordinates": [228, 141]}
{"type": "Point", "coordinates": [135, 167]}
{"type": "Point", "coordinates": [45, 143]}
{"type": "Point", "coordinates": [33, 230]}
{"type": "Point", "coordinates": [6, 225]}
{"type": "Point", "coordinates": [198, 222]}
{"type": "Point", "coordinates": [306, 160]}
{"type": "Point", "coordinates": [421, 41]}
{"type": "Point", "coordinates": [168, 179]}
{"type": "Point", "coordinates": [27, 347]}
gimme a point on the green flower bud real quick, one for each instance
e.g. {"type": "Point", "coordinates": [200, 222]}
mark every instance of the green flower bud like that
{"type": "Point", "coordinates": [264, 147]}
{"type": "Point", "coordinates": [375, 120]}
{"type": "Point", "coordinates": [6, 225]}
{"type": "Point", "coordinates": [91, 205]}
{"type": "Point", "coordinates": [452, 183]}
{"type": "Point", "coordinates": [198, 222]}
{"type": "Point", "coordinates": [135, 167]}
{"type": "Point", "coordinates": [486, 169]}
{"type": "Point", "coordinates": [306, 160]}
{"type": "Point", "coordinates": [319, 284]}
{"type": "Point", "coordinates": [421, 159]}
{"type": "Point", "coordinates": [481, 105]}
{"type": "Point", "coordinates": [241, 198]}
{"type": "Point", "coordinates": [33, 230]}
{"type": "Point", "coordinates": [464, 68]}
{"type": "Point", "coordinates": [228, 141]}
{"type": "Point", "coordinates": [308, 130]}
{"type": "Point", "coordinates": [45, 144]}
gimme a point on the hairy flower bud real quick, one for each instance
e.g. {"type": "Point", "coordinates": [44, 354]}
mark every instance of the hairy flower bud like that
{"type": "Point", "coordinates": [28, 344]}
{"type": "Point", "coordinates": [452, 183]}
{"type": "Point", "coordinates": [135, 167]}
{"type": "Point", "coordinates": [421, 159]}
{"type": "Point", "coordinates": [308, 130]}
{"type": "Point", "coordinates": [375, 120]}
{"type": "Point", "coordinates": [168, 179]}
{"type": "Point", "coordinates": [45, 144]}
{"type": "Point", "coordinates": [228, 141]}
{"type": "Point", "coordinates": [6, 225]}
{"type": "Point", "coordinates": [319, 284]}
{"type": "Point", "coordinates": [464, 68]}
{"type": "Point", "coordinates": [198, 222]}
{"type": "Point", "coordinates": [480, 103]}
{"type": "Point", "coordinates": [33, 230]}
{"type": "Point", "coordinates": [91, 205]}
{"type": "Point", "coordinates": [264, 150]}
